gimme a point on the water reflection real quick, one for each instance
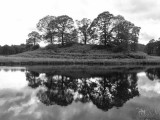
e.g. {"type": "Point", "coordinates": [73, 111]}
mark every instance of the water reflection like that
{"type": "Point", "coordinates": [153, 73]}
{"type": "Point", "coordinates": [70, 93]}
{"type": "Point", "coordinates": [108, 90]}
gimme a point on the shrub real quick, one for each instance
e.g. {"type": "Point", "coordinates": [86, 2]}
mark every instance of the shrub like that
{"type": "Point", "coordinates": [35, 47]}
{"type": "Point", "coordinates": [51, 47]}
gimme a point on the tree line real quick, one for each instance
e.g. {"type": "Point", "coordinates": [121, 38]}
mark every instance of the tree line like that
{"type": "Point", "coordinates": [106, 29]}
{"type": "Point", "coordinates": [153, 47]}
{"type": "Point", "coordinates": [15, 49]}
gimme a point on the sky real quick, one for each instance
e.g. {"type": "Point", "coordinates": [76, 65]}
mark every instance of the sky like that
{"type": "Point", "coordinates": [19, 17]}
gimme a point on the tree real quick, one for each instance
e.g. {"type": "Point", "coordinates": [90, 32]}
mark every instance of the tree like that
{"type": "Point", "coordinates": [84, 31]}
{"type": "Point", "coordinates": [153, 47]}
{"type": "Point", "coordinates": [71, 37]}
{"type": "Point", "coordinates": [125, 34]}
{"type": "Point", "coordinates": [63, 25]}
{"type": "Point", "coordinates": [134, 38]}
{"type": "Point", "coordinates": [7, 50]}
{"type": "Point", "coordinates": [104, 25]}
{"type": "Point", "coordinates": [34, 38]}
{"type": "Point", "coordinates": [116, 32]}
{"type": "Point", "coordinates": [47, 30]}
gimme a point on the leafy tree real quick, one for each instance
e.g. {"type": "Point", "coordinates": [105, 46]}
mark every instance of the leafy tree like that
{"type": "Point", "coordinates": [7, 50]}
{"type": "Point", "coordinates": [150, 47]}
{"type": "Point", "coordinates": [126, 34]}
{"type": "Point", "coordinates": [153, 47]}
{"type": "Point", "coordinates": [104, 25]}
{"type": "Point", "coordinates": [47, 30]}
{"type": "Point", "coordinates": [134, 38]}
{"type": "Point", "coordinates": [34, 38]}
{"type": "Point", "coordinates": [123, 33]}
{"type": "Point", "coordinates": [64, 25]}
{"type": "Point", "coordinates": [72, 37]}
{"type": "Point", "coordinates": [116, 32]}
{"type": "Point", "coordinates": [84, 29]}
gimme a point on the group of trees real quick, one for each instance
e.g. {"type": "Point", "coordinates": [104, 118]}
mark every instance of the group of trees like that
{"type": "Point", "coordinates": [106, 29]}
{"type": "Point", "coordinates": [13, 49]}
{"type": "Point", "coordinates": [108, 90]}
{"type": "Point", "coordinates": [153, 47]}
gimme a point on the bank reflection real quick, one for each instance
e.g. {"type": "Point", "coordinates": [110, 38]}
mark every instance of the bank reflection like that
{"type": "Point", "coordinates": [106, 91]}
{"type": "Point", "coordinates": [153, 73]}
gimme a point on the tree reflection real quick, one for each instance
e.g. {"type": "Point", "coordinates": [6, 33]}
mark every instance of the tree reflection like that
{"type": "Point", "coordinates": [60, 89]}
{"type": "Point", "coordinates": [112, 89]}
{"type": "Point", "coordinates": [33, 79]}
{"type": "Point", "coordinates": [153, 73]}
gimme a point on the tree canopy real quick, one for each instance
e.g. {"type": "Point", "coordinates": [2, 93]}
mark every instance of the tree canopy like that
{"type": "Point", "coordinates": [113, 32]}
{"type": "Point", "coordinates": [33, 38]}
{"type": "Point", "coordinates": [153, 47]}
{"type": "Point", "coordinates": [84, 31]}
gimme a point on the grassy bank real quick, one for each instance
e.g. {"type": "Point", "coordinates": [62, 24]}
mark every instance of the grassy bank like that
{"type": "Point", "coordinates": [13, 60]}
{"type": "Point", "coordinates": [78, 55]}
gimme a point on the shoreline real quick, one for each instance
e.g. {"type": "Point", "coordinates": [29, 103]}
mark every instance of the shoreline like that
{"type": "Point", "coordinates": [11, 61]}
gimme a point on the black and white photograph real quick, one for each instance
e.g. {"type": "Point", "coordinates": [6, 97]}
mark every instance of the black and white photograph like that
{"type": "Point", "coordinates": [80, 60]}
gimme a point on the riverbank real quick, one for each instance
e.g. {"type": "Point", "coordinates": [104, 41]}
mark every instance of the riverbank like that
{"type": "Point", "coordinates": [12, 60]}
{"type": "Point", "coordinates": [77, 55]}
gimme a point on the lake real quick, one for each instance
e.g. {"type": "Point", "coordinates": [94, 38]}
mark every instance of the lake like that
{"type": "Point", "coordinates": [79, 93]}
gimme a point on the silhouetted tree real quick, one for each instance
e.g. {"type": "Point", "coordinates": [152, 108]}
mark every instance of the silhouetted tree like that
{"type": "Point", "coordinates": [64, 25]}
{"type": "Point", "coordinates": [34, 38]}
{"type": "Point", "coordinates": [71, 37]}
{"type": "Point", "coordinates": [104, 25]}
{"type": "Point", "coordinates": [126, 34]}
{"type": "Point", "coordinates": [116, 32]}
{"type": "Point", "coordinates": [153, 47]}
{"type": "Point", "coordinates": [84, 30]}
{"type": "Point", "coordinates": [48, 32]}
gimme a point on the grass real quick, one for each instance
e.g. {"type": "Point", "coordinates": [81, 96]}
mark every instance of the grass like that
{"type": "Point", "coordinates": [12, 60]}
{"type": "Point", "coordinates": [78, 54]}
{"type": "Point", "coordinates": [78, 51]}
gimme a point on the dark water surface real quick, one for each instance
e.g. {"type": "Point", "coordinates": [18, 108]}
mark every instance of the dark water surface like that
{"type": "Point", "coordinates": [79, 93]}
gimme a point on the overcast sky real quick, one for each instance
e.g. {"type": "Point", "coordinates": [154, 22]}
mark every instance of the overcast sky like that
{"type": "Point", "coordinates": [19, 17]}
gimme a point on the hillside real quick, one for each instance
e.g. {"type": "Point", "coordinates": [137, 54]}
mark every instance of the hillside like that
{"type": "Point", "coordinates": [78, 51]}
{"type": "Point", "coordinates": [78, 55]}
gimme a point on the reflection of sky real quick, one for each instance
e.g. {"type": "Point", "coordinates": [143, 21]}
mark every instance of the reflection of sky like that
{"type": "Point", "coordinates": [147, 87]}
{"type": "Point", "coordinates": [12, 80]}
{"type": "Point", "coordinates": [18, 102]}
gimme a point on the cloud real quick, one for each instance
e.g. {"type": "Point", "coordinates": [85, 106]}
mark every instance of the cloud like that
{"type": "Point", "coordinates": [20, 17]}
{"type": "Point", "coordinates": [134, 6]}
{"type": "Point", "coordinates": [146, 37]}
{"type": "Point", "coordinates": [142, 8]}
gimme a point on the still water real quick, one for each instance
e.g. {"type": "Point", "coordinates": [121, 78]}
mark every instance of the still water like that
{"type": "Point", "coordinates": [79, 93]}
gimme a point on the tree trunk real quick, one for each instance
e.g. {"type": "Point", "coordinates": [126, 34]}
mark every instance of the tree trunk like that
{"type": "Point", "coordinates": [85, 39]}
{"type": "Point", "coordinates": [51, 40]}
{"type": "Point", "coordinates": [62, 40]}
{"type": "Point", "coordinates": [105, 39]}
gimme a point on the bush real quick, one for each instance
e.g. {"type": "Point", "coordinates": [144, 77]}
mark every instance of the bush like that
{"type": "Point", "coordinates": [69, 44]}
{"type": "Point", "coordinates": [51, 47]}
{"type": "Point", "coordinates": [35, 47]}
